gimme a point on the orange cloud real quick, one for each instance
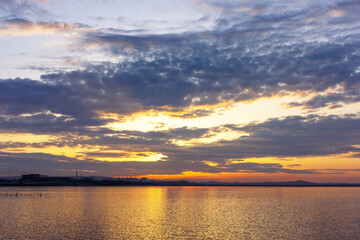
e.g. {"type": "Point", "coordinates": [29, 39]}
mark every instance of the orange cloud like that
{"type": "Point", "coordinates": [20, 27]}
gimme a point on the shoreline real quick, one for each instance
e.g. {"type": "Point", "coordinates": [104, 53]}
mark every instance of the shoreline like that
{"type": "Point", "coordinates": [176, 185]}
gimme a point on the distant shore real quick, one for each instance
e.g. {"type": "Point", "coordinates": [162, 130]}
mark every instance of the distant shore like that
{"type": "Point", "coordinates": [176, 183]}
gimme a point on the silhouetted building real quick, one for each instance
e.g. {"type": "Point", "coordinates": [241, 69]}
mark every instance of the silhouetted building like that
{"type": "Point", "coordinates": [34, 178]}
{"type": "Point", "coordinates": [37, 178]}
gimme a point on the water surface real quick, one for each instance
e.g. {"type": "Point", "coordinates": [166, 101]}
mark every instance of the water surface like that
{"type": "Point", "coordinates": [179, 213]}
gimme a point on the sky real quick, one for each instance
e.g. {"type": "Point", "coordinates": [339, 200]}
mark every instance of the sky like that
{"type": "Point", "coordinates": [261, 90]}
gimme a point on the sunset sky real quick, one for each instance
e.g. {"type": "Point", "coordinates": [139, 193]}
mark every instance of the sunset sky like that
{"type": "Point", "coordinates": [248, 90]}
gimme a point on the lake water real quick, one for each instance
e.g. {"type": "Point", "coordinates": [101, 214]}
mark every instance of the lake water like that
{"type": "Point", "coordinates": [179, 213]}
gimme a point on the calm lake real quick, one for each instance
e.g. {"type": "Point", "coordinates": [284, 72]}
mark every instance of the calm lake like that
{"type": "Point", "coordinates": [179, 213]}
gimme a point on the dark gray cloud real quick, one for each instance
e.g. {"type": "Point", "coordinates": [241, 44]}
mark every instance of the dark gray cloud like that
{"type": "Point", "coordinates": [332, 100]}
{"type": "Point", "coordinates": [292, 136]}
{"type": "Point", "coordinates": [18, 163]}
{"type": "Point", "coordinates": [288, 137]}
{"type": "Point", "coordinates": [47, 123]}
{"type": "Point", "coordinates": [299, 136]}
{"type": "Point", "coordinates": [202, 74]}
{"type": "Point", "coordinates": [28, 96]}
{"type": "Point", "coordinates": [144, 141]}
{"type": "Point", "coordinates": [269, 52]}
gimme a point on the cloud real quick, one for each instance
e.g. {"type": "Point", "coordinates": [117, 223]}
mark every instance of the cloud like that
{"type": "Point", "coordinates": [289, 137]}
{"type": "Point", "coordinates": [332, 100]}
{"type": "Point", "coordinates": [48, 123]}
{"type": "Point", "coordinates": [23, 8]}
{"type": "Point", "coordinates": [58, 165]}
{"type": "Point", "coordinates": [28, 96]}
{"type": "Point", "coordinates": [254, 50]}
{"type": "Point", "coordinates": [197, 75]}
{"type": "Point", "coordinates": [18, 163]}
{"type": "Point", "coordinates": [297, 136]}
{"type": "Point", "coordinates": [248, 58]}
{"type": "Point", "coordinates": [21, 27]}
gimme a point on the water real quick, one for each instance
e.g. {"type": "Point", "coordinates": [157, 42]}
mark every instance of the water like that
{"type": "Point", "coordinates": [179, 213]}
